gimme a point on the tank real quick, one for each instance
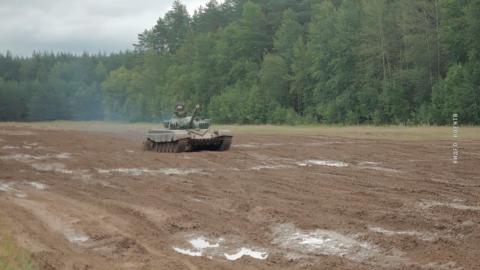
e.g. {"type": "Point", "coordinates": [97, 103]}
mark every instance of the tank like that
{"type": "Point", "coordinates": [183, 133]}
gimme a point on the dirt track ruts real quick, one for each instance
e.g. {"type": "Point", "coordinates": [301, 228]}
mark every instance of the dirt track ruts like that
{"type": "Point", "coordinates": [104, 203]}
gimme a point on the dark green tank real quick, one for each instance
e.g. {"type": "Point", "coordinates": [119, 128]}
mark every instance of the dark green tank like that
{"type": "Point", "coordinates": [187, 133]}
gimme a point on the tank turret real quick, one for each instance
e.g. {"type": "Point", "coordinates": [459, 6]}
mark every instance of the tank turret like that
{"type": "Point", "coordinates": [180, 120]}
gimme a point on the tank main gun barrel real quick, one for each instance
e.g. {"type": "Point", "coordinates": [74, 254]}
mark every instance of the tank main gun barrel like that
{"type": "Point", "coordinates": [195, 112]}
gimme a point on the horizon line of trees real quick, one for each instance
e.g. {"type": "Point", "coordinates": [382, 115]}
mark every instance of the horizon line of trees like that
{"type": "Point", "coordinates": [269, 61]}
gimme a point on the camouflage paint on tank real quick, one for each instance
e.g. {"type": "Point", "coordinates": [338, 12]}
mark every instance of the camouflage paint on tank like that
{"type": "Point", "coordinates": [187, 133]}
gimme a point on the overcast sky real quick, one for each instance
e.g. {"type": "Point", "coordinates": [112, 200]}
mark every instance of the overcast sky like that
{"type": "Point", "coordinates": [78, 26]}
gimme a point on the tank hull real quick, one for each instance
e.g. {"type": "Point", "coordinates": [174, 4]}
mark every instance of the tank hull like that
{"type": "Point", "coordinates": [176, 141]}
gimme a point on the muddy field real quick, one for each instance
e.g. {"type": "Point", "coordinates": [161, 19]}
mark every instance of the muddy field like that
{"type": "Point", "coordinates": [96, 200]}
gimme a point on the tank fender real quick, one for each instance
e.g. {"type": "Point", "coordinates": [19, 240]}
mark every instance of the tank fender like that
{"type": "Point", "coordinates": [167, 136]}
{"type": "Point", "coordinates": [223, 132]}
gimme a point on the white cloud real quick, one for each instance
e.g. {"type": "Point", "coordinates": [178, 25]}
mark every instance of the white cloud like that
{"type": "Point", "coordinates": [78, 26]}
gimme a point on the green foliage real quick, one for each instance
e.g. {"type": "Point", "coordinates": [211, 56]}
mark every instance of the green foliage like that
{"type": "Point", "coordinates": [48, 102]}
{"type": "Point", "coordinates": [169, 33]}
{"type": "Point", "coordinates": [13, 257]}
{"type": "Point", "coordinates": [456, 94]}
{"type": "Point", "coordinates": [282, 115]}
{"type": "Point", "coordinates": [274, 78]}
{"type": "Point", "coordinates": [125, 96]}
{"type": "Point", "coordinates": [13, 98]}
{"type": "Point", "coordinates": [273, 61]}
{"type": "Point", "coordinates": [287, 34]}
{"type": "Point", "coordinates": [301, 81]}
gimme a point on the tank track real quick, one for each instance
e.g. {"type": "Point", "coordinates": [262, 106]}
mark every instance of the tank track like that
{"type": "Point", "coordinates": [226, 142]}
{"type": "Point", "coordinates": [216, 144]}
{"type": "Point", "coordinates": [168, 147]}
{"type": "Point", "coordinates": [186, 145]}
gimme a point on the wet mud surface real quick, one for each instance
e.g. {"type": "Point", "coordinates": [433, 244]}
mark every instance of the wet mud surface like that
{"type": "Point", "coordinates": [91, 200]}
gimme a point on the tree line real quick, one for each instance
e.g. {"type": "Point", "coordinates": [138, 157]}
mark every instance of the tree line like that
{"type": "Point", "coordinates": [269, 61]}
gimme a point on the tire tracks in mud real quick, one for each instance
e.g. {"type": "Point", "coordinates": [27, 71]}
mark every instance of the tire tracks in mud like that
{"type": "Point", "coordinates": [68, 221]}
{"type": "Point", "coordinates": [132, 221]}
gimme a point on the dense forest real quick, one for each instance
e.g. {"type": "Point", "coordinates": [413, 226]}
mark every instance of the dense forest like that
{"type": "Point", "coordinates": [269, 61]}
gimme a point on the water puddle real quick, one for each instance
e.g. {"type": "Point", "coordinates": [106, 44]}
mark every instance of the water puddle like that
{"type": "Point", "coordinates": [76, 237]}
{"type": "Point", "coordinates": [27, 158]}
{"type": "Point", "coordinates": [270, 167]}
{"type": "Point", "coordinates": [246, 252]}
{"type": "Point", "coordinates": [62, 156]}
{"type": "Point", "coordinates": [142, 171]}
{"type": "Point", "coordinates": [8, 187]}
{"type": "Point", "coordinates": [188, 252]}
{"type": "Point", "coordinates": [13, 187]}
{"type": "Point", "coordinates": [383, 169]}
{"type": "Point", "coordinates": [173, 171]}
{"type": "Point", "coordinates": [54, 222]}
{"type": "Point", "coordinates": [455, 205]}
{"type": "Point", "coordinates": [25, 145]}
{"type": "Point", "coordinates": [425, 236]}
{"type": "Point", "coordinates": [54, 167]}
{"type": "Point", "coordinates": [202, 243]}
{"type": "Point", "coordinates": [369, 165]}
{"type": "Point", "coordinates": [199, 245]}
{"type": "Point", "coordinates": [220, 248]}
{"type": "Point", "coordinates": [10, 147]}
{"type": "Point", "coordinates": [22, 157]}
{"type": "Point", "coordinates": [38, 185]}
{"type": "Point", "coordinates": [329, 163]}
{"type": "Point", "coordinates": [321, 242]}
{"type": "Point", "coordinates": [57, 167]}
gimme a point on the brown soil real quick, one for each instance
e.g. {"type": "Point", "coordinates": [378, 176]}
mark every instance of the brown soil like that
{"type": "Point", "coordinates": [107, 204]}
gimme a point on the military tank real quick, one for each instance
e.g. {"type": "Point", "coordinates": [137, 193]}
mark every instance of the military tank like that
{"type": "Point", "coordinates": [183, 133]}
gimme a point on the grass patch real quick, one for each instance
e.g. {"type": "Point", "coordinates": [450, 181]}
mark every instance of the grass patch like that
{"type": "Point", "coordinates": [13, 257]}
{"type": "Point", "coordinates": [361, 132]}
